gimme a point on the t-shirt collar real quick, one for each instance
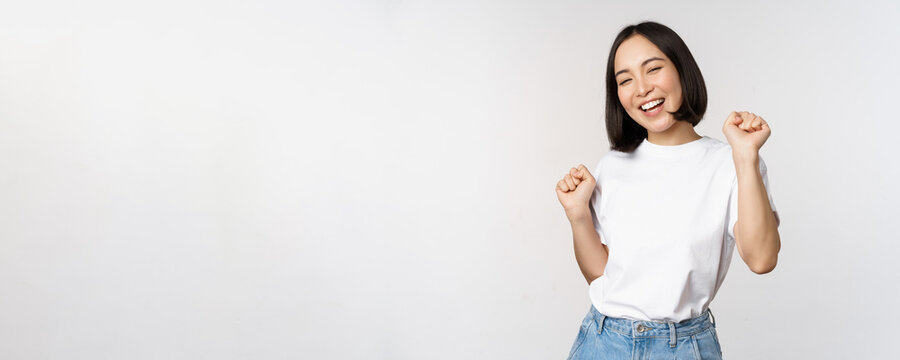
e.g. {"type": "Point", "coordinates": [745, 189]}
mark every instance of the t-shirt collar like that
{"type": "Point", "coordinates": [647, 147]}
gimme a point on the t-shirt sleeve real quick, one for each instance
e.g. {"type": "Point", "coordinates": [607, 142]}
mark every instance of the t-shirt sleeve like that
{"type": "Point", "coordinates": [731, 217]}
{"type": "Point", "coordinates": [594, 204]}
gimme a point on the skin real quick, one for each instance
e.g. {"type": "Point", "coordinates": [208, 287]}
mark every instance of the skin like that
{"type": "Point", "coordinates": [643, 81]}
{"type": "Point", "coordinates": [756, 231]}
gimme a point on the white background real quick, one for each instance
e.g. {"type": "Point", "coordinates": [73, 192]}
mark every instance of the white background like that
{"type": "Point", "coordinates": [375, 180]}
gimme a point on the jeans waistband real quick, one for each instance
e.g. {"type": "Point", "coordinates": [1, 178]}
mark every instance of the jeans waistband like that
{"type": "Point", "coordinates": [654, 329]}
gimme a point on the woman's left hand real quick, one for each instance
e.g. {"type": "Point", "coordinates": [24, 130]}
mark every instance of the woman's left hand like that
{"type": "Point", "coordinates": [746, 133]}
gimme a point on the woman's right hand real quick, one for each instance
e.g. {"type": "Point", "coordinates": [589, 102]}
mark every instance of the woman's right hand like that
{"type": "Point", "coordinates": [574, 191]}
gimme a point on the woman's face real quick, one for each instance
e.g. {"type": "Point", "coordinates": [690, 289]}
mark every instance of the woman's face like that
{"type": "Point", "coordinates": [645, 75]}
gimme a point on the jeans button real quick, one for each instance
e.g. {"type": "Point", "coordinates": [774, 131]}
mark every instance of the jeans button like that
{"type": "Point", "coordinates": [641, 328]}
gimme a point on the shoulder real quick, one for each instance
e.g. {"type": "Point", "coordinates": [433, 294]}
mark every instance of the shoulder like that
{"type": "Point", "coordinates": [616, 156]}
{"type": "Point", "coordinates": [721, 152]}
{"type": "Point", "coordinates": [611, 160]}
{"type": "Point", "coordinates": [716, 146]}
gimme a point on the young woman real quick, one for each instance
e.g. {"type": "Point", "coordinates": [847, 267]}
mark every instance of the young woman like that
{"type": "Point", "coordinates": [656, 223]}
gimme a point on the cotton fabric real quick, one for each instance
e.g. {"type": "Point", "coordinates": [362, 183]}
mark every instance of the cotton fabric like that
{"type": "Point", "coordinates": [667, 215]}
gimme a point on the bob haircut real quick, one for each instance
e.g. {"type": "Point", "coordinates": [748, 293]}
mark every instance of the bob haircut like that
{"type": "Point", "coordinates": [624, 133]}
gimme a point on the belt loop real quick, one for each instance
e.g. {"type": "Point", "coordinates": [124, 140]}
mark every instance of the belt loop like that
{"type": "Point", "coordinates": [711, 317]}
{"type": "Point", "coordinates": [672, 341]}
{"type": "Point", "coordinates": [600, 324]}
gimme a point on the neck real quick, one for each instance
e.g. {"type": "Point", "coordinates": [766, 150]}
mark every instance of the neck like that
{"type": "Point", "coordinates": [681, 132]}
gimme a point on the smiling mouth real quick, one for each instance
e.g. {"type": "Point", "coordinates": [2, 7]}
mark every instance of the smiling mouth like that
{"type": "Point", "coordinates": [653, 105]}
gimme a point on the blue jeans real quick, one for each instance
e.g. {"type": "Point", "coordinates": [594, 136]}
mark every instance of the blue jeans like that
{"type": "Point", "coordinates": [604, 337]}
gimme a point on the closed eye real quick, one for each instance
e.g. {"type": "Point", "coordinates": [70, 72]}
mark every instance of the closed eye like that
{"type": "Point", "coordinates": [651, 70]}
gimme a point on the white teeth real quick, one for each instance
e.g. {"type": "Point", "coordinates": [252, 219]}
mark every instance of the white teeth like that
{"type": "Point", "coordinates": [651, 104]}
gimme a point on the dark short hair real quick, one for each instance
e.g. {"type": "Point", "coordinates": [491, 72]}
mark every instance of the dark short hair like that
{"type": "Point", "coordinates": [624, 133]}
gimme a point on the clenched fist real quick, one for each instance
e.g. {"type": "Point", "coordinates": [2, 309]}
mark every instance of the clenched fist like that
{"type": "Point", "coordinates": [574, 191]}
{"type": "Point", "coordinates": [746, 132]}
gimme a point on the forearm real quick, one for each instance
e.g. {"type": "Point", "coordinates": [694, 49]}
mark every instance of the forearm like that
{"type": "Point", "coordinates": [590, 253]}
{"type": "Point", "coordinates": [756, 231]}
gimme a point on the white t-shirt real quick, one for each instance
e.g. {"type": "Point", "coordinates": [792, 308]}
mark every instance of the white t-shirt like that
{"type": "Point", "coordinates": [667, 215]}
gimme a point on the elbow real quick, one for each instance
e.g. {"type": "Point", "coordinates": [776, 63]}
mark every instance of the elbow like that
{"type": "Point", "coordinates": [765, 262]}
{"type": "Point", "coordinates": [763, 267]}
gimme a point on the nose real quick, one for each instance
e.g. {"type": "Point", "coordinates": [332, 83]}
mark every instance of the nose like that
{"type": "Point", "coordinates": [643, 87]}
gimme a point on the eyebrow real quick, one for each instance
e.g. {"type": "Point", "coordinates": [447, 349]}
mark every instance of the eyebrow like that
{"type": "Point", "coordinates": [642, 64]}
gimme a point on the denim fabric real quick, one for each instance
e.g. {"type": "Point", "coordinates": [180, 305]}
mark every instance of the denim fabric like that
{"type": "Point", "coordinates": [604, 337]}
